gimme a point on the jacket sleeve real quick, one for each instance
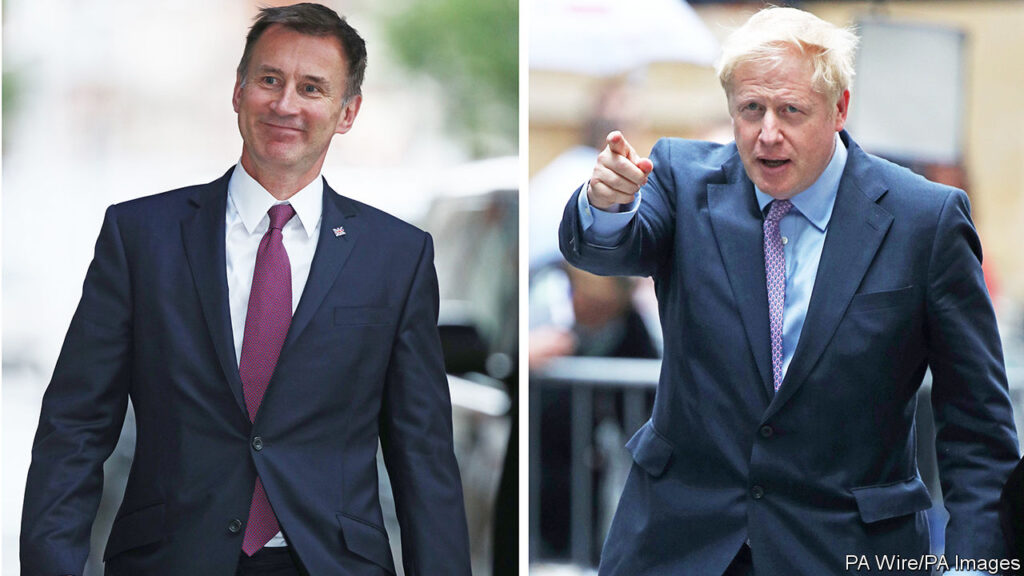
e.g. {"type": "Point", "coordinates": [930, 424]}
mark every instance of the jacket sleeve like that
{"type": "Point", "coordinates": [416, 437]}
{"type": "Point", "coordinates": [976, 442]}
{"type": "Point", "coordinates": [648, 236]}
{"type": "Point", "coordinates": [82, 414]}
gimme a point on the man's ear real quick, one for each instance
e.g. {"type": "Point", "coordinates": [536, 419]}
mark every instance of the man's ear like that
{"type": "Point", "coordinates": [842, 109]}
{"type": "Point", "coordinates": [236, 95]}
{"type": "Point", "coordinates": [348, 114]}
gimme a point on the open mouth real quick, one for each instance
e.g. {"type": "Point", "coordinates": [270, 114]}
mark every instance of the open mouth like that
{"type": "Point", "coordinates": [772, 163]}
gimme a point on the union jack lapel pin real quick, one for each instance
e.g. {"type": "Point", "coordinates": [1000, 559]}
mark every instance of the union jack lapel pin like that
{"type": "Point", "coordinates": [339, 231]}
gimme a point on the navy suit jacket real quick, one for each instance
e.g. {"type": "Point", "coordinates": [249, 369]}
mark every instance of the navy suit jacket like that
{"type": "Point", "coordinates": [827, 466]}
{"type": "Point", "coordinates": [362, 361]}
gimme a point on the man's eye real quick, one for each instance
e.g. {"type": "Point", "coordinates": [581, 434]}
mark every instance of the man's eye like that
{"type": "Point", "coordinates": [792, 109]}
{"type": "Point", "coordinates": [751, 107]}
{"type": "Point", "coordinates": [310, 89]}
{"type": "Point", "coordinates": [269, 80]}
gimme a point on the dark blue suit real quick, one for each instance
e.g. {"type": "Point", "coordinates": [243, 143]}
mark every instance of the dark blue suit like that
{"type": "Point", "coordinates": [362, 359]}
{"type": "Point", "coordinates": [827, 466]}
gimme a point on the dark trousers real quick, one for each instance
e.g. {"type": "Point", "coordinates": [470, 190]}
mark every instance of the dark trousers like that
{"type": "Point", "coordinates": [742, 564]}
{"type": "Point", "coordinates": [271, 562]}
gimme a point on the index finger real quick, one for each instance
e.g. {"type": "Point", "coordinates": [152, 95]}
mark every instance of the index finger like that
{"type": "Point", "coordinates": [617, 143]}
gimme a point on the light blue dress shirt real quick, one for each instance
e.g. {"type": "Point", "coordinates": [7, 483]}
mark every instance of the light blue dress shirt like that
{"type": "Point", "coordinates": [803, 233]}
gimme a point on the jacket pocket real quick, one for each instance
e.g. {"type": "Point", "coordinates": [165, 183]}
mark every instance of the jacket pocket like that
{"type": "Point", "coordinates": [135, 529]}
{"type": "Point", "coordinates": [362, 315]}
{"type": "Point", "coordinates": [869, 301]}
{"type": "Point", "coordinates": [884, 501]}
{"type": "Point", "coordinates": [367, 540]}
{"type": "Point", "coordinates": [650, 450]}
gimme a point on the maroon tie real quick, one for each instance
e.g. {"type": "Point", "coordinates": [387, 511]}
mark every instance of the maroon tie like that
{"type": "Point", "coordinates": [266, 325]}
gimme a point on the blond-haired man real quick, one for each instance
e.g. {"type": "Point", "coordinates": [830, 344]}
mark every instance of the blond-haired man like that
{"type": "Point", "coordinates": [804, 286]}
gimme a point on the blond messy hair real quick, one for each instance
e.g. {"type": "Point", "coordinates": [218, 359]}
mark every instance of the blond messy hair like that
{"type": "Point", "coordinates": [772, 33]}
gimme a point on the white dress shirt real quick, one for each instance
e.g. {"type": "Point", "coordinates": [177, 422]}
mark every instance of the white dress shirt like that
{"type": "Point", "coordinates": [246, 221]}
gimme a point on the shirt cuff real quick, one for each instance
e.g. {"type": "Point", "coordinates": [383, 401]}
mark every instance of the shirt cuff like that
{"type": "Point", "coordinates": [601, 227]}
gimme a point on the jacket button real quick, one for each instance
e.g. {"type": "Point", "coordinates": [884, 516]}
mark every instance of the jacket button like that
{"type": "Point", "coordinates": [757, 492]}
{"type": "Point", "coordinates": [235, 527]}
{"type": "Point", "coordinates": [257, 443]}
{"type": "Point", "coordinates": [767, 431]}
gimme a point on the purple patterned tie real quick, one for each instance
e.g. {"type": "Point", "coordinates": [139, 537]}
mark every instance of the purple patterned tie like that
{"type": "Point", "coordinates": [266, 325]}
{"type": "Point", "coordinates": [775, 271]}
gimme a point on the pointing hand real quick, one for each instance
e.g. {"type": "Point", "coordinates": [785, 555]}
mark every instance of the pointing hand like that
{"type": "Point", "coordinates": [618, 175]}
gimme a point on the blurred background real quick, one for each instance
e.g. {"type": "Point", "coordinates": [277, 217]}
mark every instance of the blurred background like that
{"type": "Point", "coordinates": [111, 100]}
{"type": "Point", "coordinates": [933, 92]}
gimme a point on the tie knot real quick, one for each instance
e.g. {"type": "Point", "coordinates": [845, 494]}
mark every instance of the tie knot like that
{"type": "Point", "coordinates": [778, 209]}
{"type": "Point", "coordinates": [280, 214]}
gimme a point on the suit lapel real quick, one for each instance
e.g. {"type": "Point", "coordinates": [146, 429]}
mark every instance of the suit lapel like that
{"type": "Point", "coordinates": [737, 224]}
{"type": "Point", "coordinates": [203, 236]}
{"type": "Point", "coordinates": [855, 233]}
{"type": "Point", "coordinates": [332, 250]}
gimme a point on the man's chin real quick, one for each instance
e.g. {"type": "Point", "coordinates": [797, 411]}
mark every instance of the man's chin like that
{"type": "Point", "coordinates": [275, 163]}
{"type": "Point", "coordinates": [280, 156]}
{"type": "Point", "coordinates": [774, 189]}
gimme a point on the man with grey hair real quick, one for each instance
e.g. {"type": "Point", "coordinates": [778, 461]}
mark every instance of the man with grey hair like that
{"type": "Point", "coordinates": [804, 288]}
{"type": "Point", "coordinates": [270, 333]}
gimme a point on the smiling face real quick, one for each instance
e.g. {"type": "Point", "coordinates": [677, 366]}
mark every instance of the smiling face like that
{"type": "Point", "coordinates": [784, 128]}
{"type": "Point", "coordinates": [290, 104]}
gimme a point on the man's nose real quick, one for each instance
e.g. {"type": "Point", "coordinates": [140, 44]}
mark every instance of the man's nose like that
{"type": "Point", "coordinates": [771, 132]}
{"type": "Point", "coordinates": [286, 102]}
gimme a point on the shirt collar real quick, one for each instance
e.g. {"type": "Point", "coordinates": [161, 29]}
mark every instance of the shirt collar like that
{"type": "Point", "coordinates": [817, 201]}
{"type": "Point", "coordinates": [251, 201]}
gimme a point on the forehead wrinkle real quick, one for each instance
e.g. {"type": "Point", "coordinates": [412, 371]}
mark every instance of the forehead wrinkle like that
{"type": "Point", "coordinates": [301, 51]}
{"type": "Point", "coordinates": [765, 87]}
{"type": "Point", "coordinates": [776, 96]}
